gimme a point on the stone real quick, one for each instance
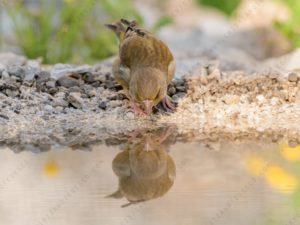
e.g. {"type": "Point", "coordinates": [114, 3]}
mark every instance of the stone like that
{"type": "Point", "coordinates": [4, 117]}
{"type": "Point", "coordinates": [114, 104]}
{"type": "Point", "coordinates": [109, 84]}
{"type": "Point", "coordinates": [11, 93]}
{"type": "Point", "coordinates": [89, 77]}
{"type": "Point", "coordinates": [75, 89]}
{"type": "Point", "coordinates": [178, 82]}
{"type": "Point", "coordinates": [171, 91]}
{"type": "Point", "coordinates": [59, 102]}
{"type": "Point", "coordinates": [96, 84]}
{"type": "Point", "coordinates": [48, 108]}
{"type": "Point", "coordinates": [130, 115]}
{"type": "Point", "coordinates": [61, 70]}
{"type": "Point", "coordinates": [102, 105]}
{"type": "Point", "coordinates": [92, 93]}
{"type": "Point", "coordinates": [75, 100]}
{"type": "Point", "coordinates": [12, 59]}
{"type": "Point", "coordinates": [42, 76]}
{"type": "Point", "coordinates": [293, 77]}
{"type": "Point", "coordinates": [5, 74]}
{"type": "Point", "coordinates": [30, 72]}
{"type": "Point", "coordinates": [17, 71]}
{"type": "Point", "coordinates": [68, 82]}
{"type": "Point", "coordinates": [214, 74]}
{"type": "Point", "coordinates": [59, 109]}
{"type": "Point", "coordinates": [178, 96]}
{"type": "Point", "coordinates": [181, 89]}
{"type": "Point", "coordinates": [203, 80]}
{"type": "Point", "coordinates": [121, 96]}
{"type": "Point", "coordinates": [53, 91]}
{"type": "Point", "coordinates": [232, 99]}
{"type": "Point", "coordinates": [50, 84]}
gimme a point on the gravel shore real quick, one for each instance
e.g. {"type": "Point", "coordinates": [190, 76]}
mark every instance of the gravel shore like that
{"type": "Point", "coordinates": [74, 105]}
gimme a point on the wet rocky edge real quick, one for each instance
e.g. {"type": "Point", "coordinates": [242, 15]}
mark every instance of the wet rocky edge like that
{"type": "Point", "coordinates": [214, 140]}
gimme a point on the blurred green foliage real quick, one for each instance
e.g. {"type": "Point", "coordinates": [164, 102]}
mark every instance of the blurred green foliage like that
{"type": "Point", "coordinates": [70, 30]}
{"type": "Point", "coordinates": [291, 28]}
{"type": "Point", "coordinates": [164, 21]}
{"type": "Point", "coordinates": [227, 6]}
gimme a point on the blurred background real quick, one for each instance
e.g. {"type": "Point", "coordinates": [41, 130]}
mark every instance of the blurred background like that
{"type": "Point", "coordinates": [72, 31]}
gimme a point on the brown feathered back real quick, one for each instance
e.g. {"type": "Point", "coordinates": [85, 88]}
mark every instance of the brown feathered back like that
{"type": "Point", "coordinates": [145, 51]}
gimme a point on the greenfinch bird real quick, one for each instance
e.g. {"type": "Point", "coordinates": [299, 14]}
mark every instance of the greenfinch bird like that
{"type": "Point", "coordinates": [144, 68]}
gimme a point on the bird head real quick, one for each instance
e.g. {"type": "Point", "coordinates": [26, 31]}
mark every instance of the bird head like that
{"type": "Point", "coordinates": [148, 86]}
{"type": "Point", "coordinates": [119, 29]}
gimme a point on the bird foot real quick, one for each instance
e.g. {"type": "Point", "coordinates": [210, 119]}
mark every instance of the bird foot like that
{"type": "Point", "coordinates": [167, 104]}
{"type": "Point", "coordinates": [136, 109]}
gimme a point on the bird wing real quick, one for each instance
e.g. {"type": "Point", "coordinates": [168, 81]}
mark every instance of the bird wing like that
{"type": "Point", "coordinates": [121, 73]}
{"type": "Point", "coordinates": [171, 70]}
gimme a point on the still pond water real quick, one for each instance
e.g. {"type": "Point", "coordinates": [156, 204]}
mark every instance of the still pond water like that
{"type": "Point", "coordinates": [151, 181]}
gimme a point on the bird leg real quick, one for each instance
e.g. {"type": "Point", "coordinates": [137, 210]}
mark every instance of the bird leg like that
{"type": "Point", "coordinates": [136, 109]}
{"type": "Point", "coordinates": [167, 104]}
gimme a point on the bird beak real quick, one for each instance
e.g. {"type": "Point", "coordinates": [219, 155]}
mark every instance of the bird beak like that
{"type": "Point", "coordinates": [148, 107]}
{"type": "Point", "coordinates": [147, 146]}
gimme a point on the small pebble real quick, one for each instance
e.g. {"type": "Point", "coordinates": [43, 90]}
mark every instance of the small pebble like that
{"type": "Point", "coordinates": [68, 82]}
{"type": "Point", "coordinates": [130, 115]}
{"type": "Point", "coordinates": [4, 117]}
{"type": "Point", "coordinates": [88, 77]}
{"type": "Point", "coordinates": [179, 82]}
{"type": "Point", "coordinates": [50, 84]}
{"type": "Point", "coordinates": [48, 108]}
{"type": "Point", "coordinates": [113, 98]}
{"type": "Point", "coordinates": [203, 80]}
{"type": "Point", "coordinates": [171, 91]}
{"type": "Point", "coordinates": [92, 93]}
{"type": "Point", "coordinates": [96, 84]}
{"type": "Point", "coordinates": [5, 74]}
{"type": "Point", "coordinates": [17, 71]}
{"type": "Point", "coordinates": [75, 100]}
{"type": "Point", "coordinates": [293, 77]}
{"type": "Point", "coordinates": [75, 89]}
{"type": "Point", "coordinates": [181, 89]}
{"type": "Point", "coordinates": [53, 91]}
{"type": "Point", "coordinates": [102, 105]}
{"type": "Point", "coordinates": [121, 96]}
{"type": "Point", "coordinates": [42, 76]}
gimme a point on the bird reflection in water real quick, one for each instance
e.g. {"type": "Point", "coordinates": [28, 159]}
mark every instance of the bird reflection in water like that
{"type": "Point", "coordinates": [144, 168]}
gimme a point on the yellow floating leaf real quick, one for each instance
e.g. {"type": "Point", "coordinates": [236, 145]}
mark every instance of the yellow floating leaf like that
{"type": "Point", "coordinates": [290, 153]}
{"type": "Point", "coordinates": [51, 169]}
{"type": "Point", "coordinates": [281, 180]}
{"type": "Point", "coordinates": [256, 165]}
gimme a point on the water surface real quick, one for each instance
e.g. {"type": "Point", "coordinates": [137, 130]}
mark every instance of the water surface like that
{"type": "Point", "coordinates": [152, 180]}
